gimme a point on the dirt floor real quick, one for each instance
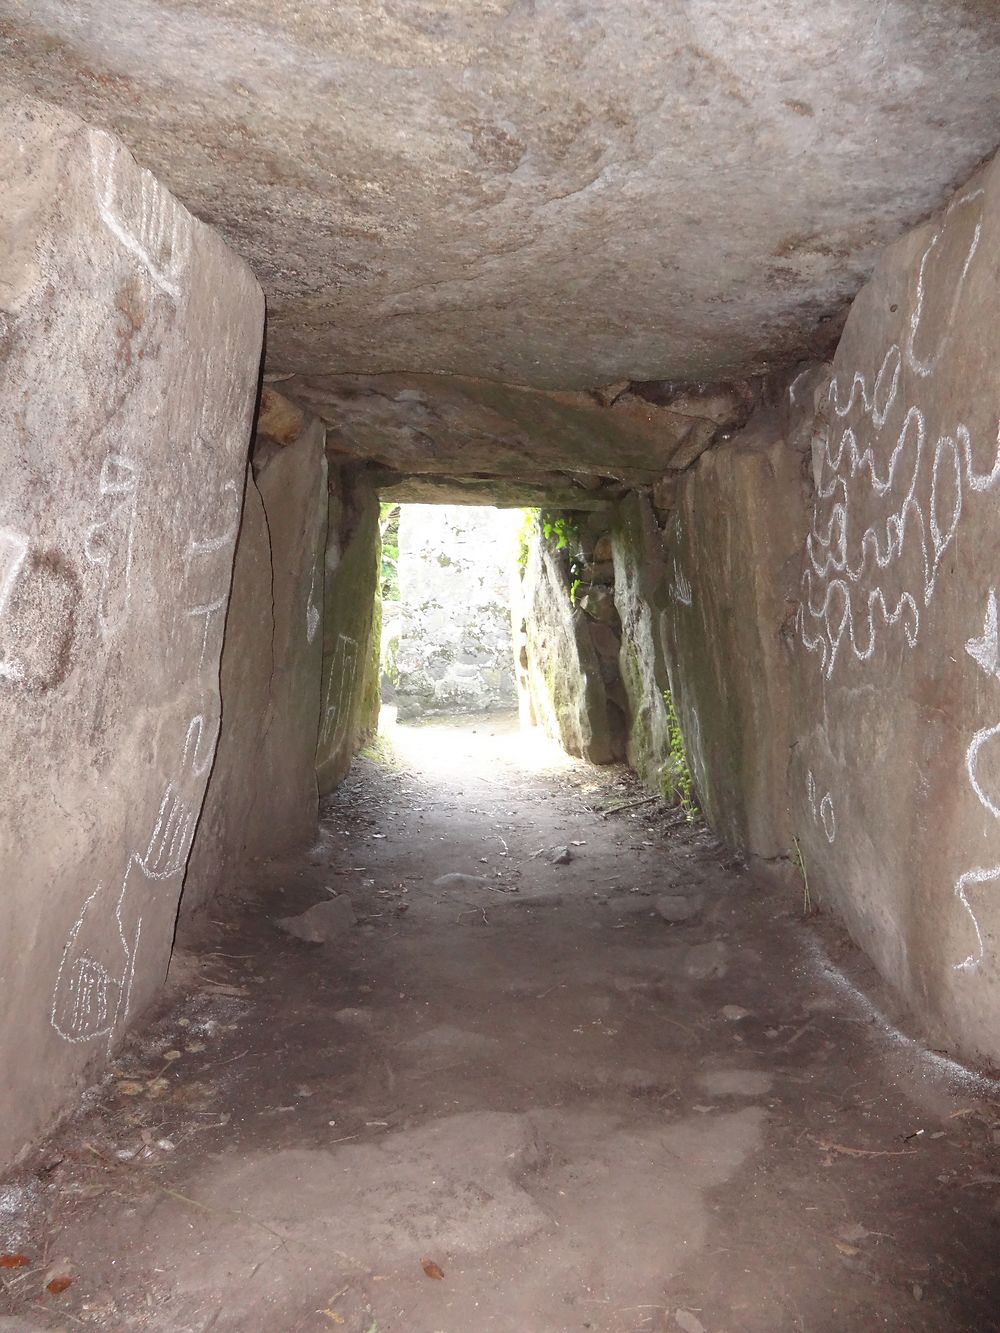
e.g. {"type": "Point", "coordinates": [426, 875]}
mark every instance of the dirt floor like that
{"type": "Point", "coordinates": [529, 1101]}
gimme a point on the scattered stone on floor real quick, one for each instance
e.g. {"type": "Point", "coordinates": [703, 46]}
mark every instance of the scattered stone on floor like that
{"type": "Point", "coordinates": [322, 923]}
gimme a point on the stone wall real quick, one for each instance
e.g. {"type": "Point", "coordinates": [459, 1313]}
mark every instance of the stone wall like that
{"type": "Point", "coordinates": [832, 634]}
{"type": "Point", "coordinates": [262, 794]}
{"type": "Point", "coordinates": [895, 776]}
{"type": "Point", "coordinates": [640, 595]}
{"type": "Point", "coordinates": [349, 694]}
{"type": "Point", "coordinates": [733, 543]}
{"type": "Point", "coordinates": [131, 339]}
{"type": "Point", "coordinates": [567, 646]}
{"type": "Point", "coordinates": [453, 637]}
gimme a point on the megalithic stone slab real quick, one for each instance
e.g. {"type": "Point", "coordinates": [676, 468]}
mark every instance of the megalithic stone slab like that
{"type": "Point", "coordinates": [895, 775]}
{"type": "Point", "coordinates": [129, 348]}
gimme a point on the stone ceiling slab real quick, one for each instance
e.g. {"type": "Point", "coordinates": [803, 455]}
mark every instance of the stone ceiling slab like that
{"type": "Point", "coordinates": [556, 193]}
{"type": "Point", "coordinates": [427, 424]}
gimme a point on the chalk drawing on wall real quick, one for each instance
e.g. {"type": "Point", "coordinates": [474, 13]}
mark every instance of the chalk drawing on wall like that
{"type": "Point", "coordinates": [95, 973]}
{"type": "Point", "coordinates": [933, 334]}
{"type": "Point", "coordinates": [844, 601]}
{"type": "Point", "coordinates": [339, 690]}
{"type": "Point", "coordinates": [312, 610]}
{"type": "Point", "coordinates": [983, 651]}
{"type": "Point", "coordinates": [682, 586]}
{"type": "Point", "coordinates": [86, 992]}
{"type": "Point", "coordinates": [821, 808]}
{"type": "Point", "coordinates": [108, 543]}
{"type": "Point", "coordinates": [224, 537]}
{"type": "Point", "coordinates": [858, 583]}
{"type": "Point", "coordinates": [94, 980]}
{"type": "Point", "coordinates": [141, 214]}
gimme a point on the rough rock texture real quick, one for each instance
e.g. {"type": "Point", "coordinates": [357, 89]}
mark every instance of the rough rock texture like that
{"type": "Point", "coordinates": [547, 193]}
{"type": "Point", "coordinates": [561, 491]}
{"type": "Point", "coordinates": [895, 778]}
{"type": "Point", "coordinates": [733, 563]}
{"type": "Point", "coordinates": [292, 481]}
{"type": "Point", "coordinates": [230, 826]}
{"type": "Point", "coordinates": [324, 922]}
{"type": "Point", "coordinates": [454, 651]}
{"type": "Point", "coordinates": [439, 424]}
{"type": "Point", "coordinates": [130, 345]}
{"type": "Point", "coordinates": [561, 675]}
{"type": "Point", "coordinates": [349, 695]}
{"type": "Point", "coordinates": [262, 795]}
{"type": "Point", "coordinates": [640, 595]}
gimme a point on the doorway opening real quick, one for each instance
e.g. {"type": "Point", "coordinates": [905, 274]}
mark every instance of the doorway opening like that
{"type": "Point", "coordinates": [446, 585]}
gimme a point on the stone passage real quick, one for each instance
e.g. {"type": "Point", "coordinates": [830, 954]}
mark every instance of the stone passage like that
{"type": "Point", "coordinates": [449, 640]}
{"type": "Point", "coordinates": [717, 299]}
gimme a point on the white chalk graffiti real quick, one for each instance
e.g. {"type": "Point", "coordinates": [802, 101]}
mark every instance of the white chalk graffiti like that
{"type": "Point", "coordinates": [108, 543]}
{"type": "Point", "coordinates": [171, 838]}
{"type": "Point", "coordinates": [940, 329]}
{"type": "Point", "coordinates": [832, 577]}
{"type": "Point", "coordinates": [339, 689]}
{"type": "Point", "coordinates": [980, 874]}
{"type": "Point", "coordinates": [88, 988]}
{"type": "Point", "coordinates": [846, 578]}
{"type": "Point", "coordinates": [312, 610]}
{"type": "Point", "coordinates": [94, 980]}
{"type": "Point", "coordinates": [218, 543]}
{"type": "Point", "coordinates": [199, 744]}
{"type": "Point", "coordinates": [225, 538]}
{"type": "Point", "coordinates": [983, 651]}
{"type": "Point", "coordinates": [682, 586]}
{"type": "Point", "coordinates": [141, 214]}
{"type": "Point", "coordinates": [821, 809]}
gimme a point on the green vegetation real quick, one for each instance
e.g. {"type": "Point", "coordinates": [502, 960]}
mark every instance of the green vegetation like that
{"type": "Point", "coordinates": [563, 531]}
{"type": "Point", "coordinates": [683, 782]}
{"type": "Point", "coordinates": [523, 538]}
{"type": "Point", "coordinates": [388, 525]}
{"type": "Point", "coordinates": [379, 750]}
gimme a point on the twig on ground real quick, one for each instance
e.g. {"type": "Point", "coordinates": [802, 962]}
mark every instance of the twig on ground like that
{"type": "Point", "coordinates": [628, 805]}
{"type": "Point", "coordinates": [829, 1146]}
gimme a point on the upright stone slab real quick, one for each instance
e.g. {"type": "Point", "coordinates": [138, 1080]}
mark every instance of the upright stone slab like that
{"type": "Point", "coordinates": [896, 769]}
{"type": "Point", "coordinates": [129, 346]}
{"type": "Point", "coordinates": [348, 707]}
{"type": "Point", "coordinates": [733, 544]}
{"type": "Point", "coordinates": [292, 481]}
{"type": "Point", "coordinates": [559, 661]}
{"type": "Point", "coordinates": [640, 594]}
{"type": "Point", "coordinates": [262, 798]}
{"type": "Point", "coordinates": [228, 827]}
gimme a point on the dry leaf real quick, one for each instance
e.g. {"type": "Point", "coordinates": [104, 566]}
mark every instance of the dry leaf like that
{"type": "Point", "coordinates": [14, 1260]}
{"type": "Point", "coordinates": [432, 1269]}
{"type": "Point", "coordinates": [58, 1284]}
{"type": "Point", "coordinates": [332, 1315]}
